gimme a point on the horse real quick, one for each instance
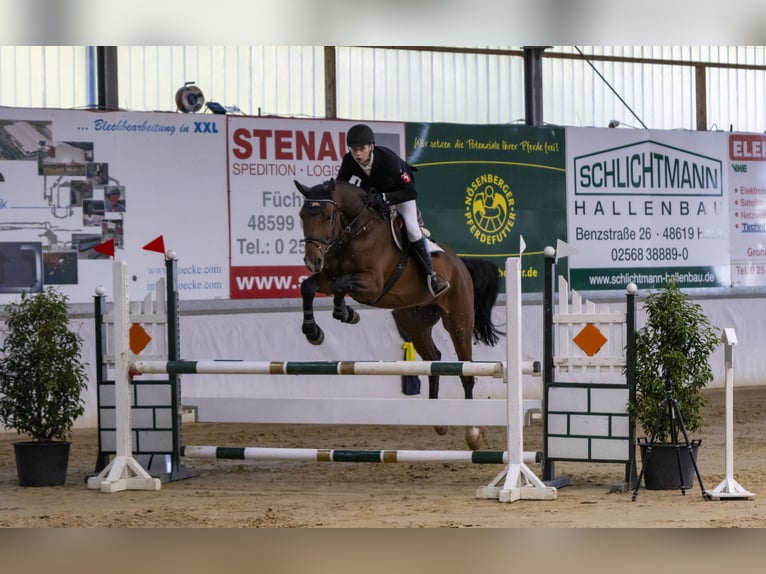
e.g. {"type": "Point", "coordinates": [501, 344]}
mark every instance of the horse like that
{"type": "Point", "coordinates": [355, 250]}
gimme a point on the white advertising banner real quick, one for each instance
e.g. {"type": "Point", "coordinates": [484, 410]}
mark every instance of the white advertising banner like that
{"type": "Point", "coordinates": [266, 155]}
{"type": "Point", "coordinates": [644, 206]}
{"type": "Point", "coordinates": [71, 180]}
{"type": "Point", "coordinates": [747, 193]}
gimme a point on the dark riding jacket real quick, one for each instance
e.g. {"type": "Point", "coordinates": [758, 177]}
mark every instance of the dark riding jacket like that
{"type": "Point", "coordinates": [390, 175]}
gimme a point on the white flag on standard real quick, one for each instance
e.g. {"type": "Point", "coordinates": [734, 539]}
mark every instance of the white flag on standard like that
{"type": "Point", "coordinates": [563, 249]}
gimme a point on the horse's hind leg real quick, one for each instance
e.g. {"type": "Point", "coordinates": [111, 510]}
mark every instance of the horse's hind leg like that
{"type": "Point", "coordinates": [462, 339]}
{"type": "Point", "coordinates": [313, 332]}
{"type": "Point", "coordinates": [416, 324]}
{"type": "Point", "coordinates": [474, 434]}
{"type": "Point", "coordinates": [340, 310]}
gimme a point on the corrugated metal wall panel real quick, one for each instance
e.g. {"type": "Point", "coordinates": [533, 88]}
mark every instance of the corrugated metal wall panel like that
{"type": "Point", "coordinates": [387, 84]}
{"type": "Point", "coordinates": [414, 85]}
{"type": "Point", "coordinates": [266, 80]}
{"type": "Point", "coordinates": [60, 78]}
{"type": "Point", "coordinates": [736, 97]}
{"type": "Point", "coordinates": [576, 95]}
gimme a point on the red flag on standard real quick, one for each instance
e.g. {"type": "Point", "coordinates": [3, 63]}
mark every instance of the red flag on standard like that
{"type": "Point", "coordinates": [157, 245]}
{"type": "Point", "coordinates": [107, 248]}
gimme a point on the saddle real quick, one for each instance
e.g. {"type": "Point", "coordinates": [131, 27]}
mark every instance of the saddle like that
{"type": "Point", "coordinates": [396, 224]}
{"type": "Point", "coordinates": [398, 232]}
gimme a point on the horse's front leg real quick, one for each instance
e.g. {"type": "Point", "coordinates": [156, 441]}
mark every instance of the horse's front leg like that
{"type": "Point", "coordinates": [313, 332]}
{"type": "Point", "coordinates": [340, 310]}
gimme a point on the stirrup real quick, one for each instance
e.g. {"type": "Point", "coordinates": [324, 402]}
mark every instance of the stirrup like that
{"type": "Point", "coordinates": [434, 287]}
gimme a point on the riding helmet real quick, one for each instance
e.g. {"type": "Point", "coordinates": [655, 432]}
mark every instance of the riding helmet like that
{"type": "Point", "coordinates": [359, 135]}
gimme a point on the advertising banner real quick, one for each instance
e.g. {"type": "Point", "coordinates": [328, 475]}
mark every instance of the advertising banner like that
{"type": "Point", "coordinates": [631, 205]}
{"type": "Point", "coordinates": [481, 188]}
{"type": "Point", "coordinates": [645, 206]}
{"type": "Point", "coordinates": [71, 180]}
{"type": "Point", "coordinates": [747, 205]}
{"type": "Point", "coordinates": [266, 156]}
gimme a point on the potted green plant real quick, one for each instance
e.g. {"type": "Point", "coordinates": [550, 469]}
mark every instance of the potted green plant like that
{"type": "Point", "coordinates": [42, 379]}
{"type": "Point", "coordinates": [673, 349]}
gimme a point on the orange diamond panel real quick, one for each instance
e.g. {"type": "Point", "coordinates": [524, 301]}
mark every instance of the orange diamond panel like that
{"type": "Point", "coordinates": [139, 338]}
{"type": "Point", "coordinates": [590, 339]}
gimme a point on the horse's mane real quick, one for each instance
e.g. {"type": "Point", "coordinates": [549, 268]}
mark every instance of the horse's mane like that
{"type": "Point", "coordinates": [326, 189]}
{"type": "Point", "coordinates": [321, 191]}
{"type": "Point", "coordinates": [352, 190]}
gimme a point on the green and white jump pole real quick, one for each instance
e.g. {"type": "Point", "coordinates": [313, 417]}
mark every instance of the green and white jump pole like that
{"type": "Point", "coordinates": [354, 455]}
{"type": "Point", "coordinates": [237, 367]}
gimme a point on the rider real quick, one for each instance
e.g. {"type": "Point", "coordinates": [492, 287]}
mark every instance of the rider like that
{"type": "Point", "coordinates": [388, 180]}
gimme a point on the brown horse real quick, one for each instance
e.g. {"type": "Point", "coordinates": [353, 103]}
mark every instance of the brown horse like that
{"type": "Point", "coordinates": [350, 250]}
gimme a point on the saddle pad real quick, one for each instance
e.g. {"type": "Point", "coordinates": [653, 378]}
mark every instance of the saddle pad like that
{"type": "Point", "coordinates": [432, 246]}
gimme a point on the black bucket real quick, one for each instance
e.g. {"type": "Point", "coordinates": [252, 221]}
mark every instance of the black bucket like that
{"type": "Point", "coordinates": [41, 463]}
{"type": "Point", "coordinates": [661, 472]}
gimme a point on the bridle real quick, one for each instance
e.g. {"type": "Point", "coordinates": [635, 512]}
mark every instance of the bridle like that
{"type": "Point", "coordinates": [339, 235]}
{"type": "Point", "coordinates": [324, 245]}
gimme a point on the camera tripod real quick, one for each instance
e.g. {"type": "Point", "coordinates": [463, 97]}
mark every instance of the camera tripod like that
{"type": "Point", "coordinates": [669, 408]}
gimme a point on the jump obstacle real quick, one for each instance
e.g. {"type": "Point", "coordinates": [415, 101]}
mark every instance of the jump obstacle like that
{"type": "Point", "coordinates": [515, 482]}
{"type": "Point", "coordinates": [589, 378]}
{"type": "Point", "coordinates": [566, 354]}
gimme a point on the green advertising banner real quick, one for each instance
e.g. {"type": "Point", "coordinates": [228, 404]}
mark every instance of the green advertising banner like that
{"type": "Point", "coordinates": [481, 188]}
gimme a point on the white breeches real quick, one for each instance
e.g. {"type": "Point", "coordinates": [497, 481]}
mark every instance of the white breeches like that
{"type": "Point", "coordinates": [409, 212]}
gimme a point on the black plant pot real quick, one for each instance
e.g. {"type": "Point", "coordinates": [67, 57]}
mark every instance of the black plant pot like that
{"type": "Point", "coordinates": [41, 463]}
{"type": "Point", "coordinates": [661, 470]}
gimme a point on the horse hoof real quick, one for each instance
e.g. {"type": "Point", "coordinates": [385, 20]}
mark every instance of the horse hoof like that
{"type": "Point", "coordinates": [318, 340]}
{"type": "Point", "coordinates": [473, 436]}
{"type": "Point", "coordinates": [441, 430]}
{"type": "Point", "coordinates": [354, 317]}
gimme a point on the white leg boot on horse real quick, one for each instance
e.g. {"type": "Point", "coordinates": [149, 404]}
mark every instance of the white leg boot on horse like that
{"type": "Point", "coordinates": [436, 285]}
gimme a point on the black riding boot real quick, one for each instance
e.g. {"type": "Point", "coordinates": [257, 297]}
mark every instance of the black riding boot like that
{"type": "Point", "coordinates": [436, 284]}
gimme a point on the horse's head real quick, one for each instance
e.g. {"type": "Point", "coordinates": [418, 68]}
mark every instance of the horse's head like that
{"type": "Point", "coordinates": [328, 212]}
{"type": "Point", "coordinates": [320, 219]}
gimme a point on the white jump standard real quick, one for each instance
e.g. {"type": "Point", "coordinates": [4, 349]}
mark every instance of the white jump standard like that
{"type": "Point", "coordinates": [123, 472]}
{"type": "Point", "coordinates": [729, 488]}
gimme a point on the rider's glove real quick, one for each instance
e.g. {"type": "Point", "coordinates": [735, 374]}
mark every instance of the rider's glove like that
{"type": "Point", "coordinates": [376, 200]}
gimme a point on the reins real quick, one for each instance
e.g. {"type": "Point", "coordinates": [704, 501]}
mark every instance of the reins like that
{"type": "Point", "coordinates": [321, 241]}
{"type": "Point", "coordinates": [346, 234]}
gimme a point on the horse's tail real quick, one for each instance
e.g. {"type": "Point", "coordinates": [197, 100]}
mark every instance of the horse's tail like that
{"type": "Point", "coordinates": [486, 285]}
